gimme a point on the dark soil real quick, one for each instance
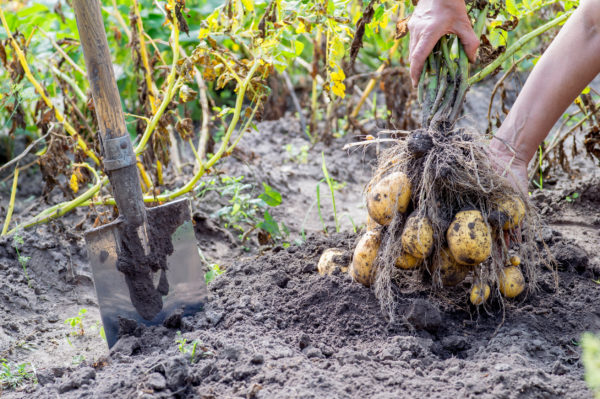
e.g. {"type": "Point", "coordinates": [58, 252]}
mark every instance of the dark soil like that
{"type": "Point", "coordinates": [274, 328]}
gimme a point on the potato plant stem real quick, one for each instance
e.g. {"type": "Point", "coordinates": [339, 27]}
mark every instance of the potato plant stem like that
{"type": "Point", "coordinates": [11, 204]}
{"type": "Point", "coordinates": [517, 45]}
{"type": "Point", "coordinates": [172, 85]}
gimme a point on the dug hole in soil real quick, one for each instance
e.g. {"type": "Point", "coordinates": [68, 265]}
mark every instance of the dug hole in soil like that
{"type": "Point", "coordinates": [274, 328]}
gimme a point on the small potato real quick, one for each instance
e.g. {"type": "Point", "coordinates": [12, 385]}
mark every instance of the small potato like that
{"type": "Point", "coordinates": [479, 294]}
{"type": "Point", "coordinates": [417, 237]}
{"type": "Point", "coordinates": [514, 209]}
{"type": "Point", "coordinates": [451, 272]}
{"type": "Point", "coordinates": [511, 282]}
{"type": "Point", "coordinates": [331, 260]}
{"type": "Point", "coordinates": [361, 268]}
{"type": "Point", "coordinates": [515, 260]}
{"type": "Point", "coordinates": [469, 238]}
{"type": "Point", "coordinates": [407, 261]}
{"type": "Point", "coordinates": [390, 195]}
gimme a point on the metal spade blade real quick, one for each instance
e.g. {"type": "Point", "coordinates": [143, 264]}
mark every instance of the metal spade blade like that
{"type": "Point", "coordinates": [147, 296]}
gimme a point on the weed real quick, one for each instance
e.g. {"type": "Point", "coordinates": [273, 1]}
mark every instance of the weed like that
{"type": "Point", "coordinates": [191, 348]}
{"type": "Point", "coordinates": [212, 273]}
{"type": "Point", "coordinates": [13, 376]}
{"type": "Point", "coordinates": [572, 197]}
{"type": "Point", "coordinates": [299, 155]}
{"type": "Point", "coordinates": [244, 210]}
{"type": "Point", "coordinates": [77, 360]}
{"type": "Point", "coordinates": [333, 186]}
{"type": "Point", "coordinates": [76, 323]}
{"type": "Point", "coordinates": [18, 243]}
{"type": "Point", "coordinates": [590, 357]}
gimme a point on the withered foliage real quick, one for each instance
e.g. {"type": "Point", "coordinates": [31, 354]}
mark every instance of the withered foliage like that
{"type": "Point", "coordinates": [362, 22]}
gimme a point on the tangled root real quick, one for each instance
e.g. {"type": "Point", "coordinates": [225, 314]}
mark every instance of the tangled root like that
{"type": "Point", "coordinates": [450, 171]}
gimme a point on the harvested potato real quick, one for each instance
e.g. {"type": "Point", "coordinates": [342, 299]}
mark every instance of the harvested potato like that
{"type": "Point", "coordinates": [407, 261]}
{"type": "Point", "coordinates": [514, 209]}
{"type": "Point", "coordinates": [511, 282]}
{"type": "Point", "coordinates": [450, 271]}
{"type": "Point", "coordinates": [417, 237]}
{"type": "Point", "coordinates": [361, 268]}
{"type": "Point", "coordinates": [479, 293]}
{"type": "Point", "coordinates": [331, 260]}
{"type": "Point", "coordinates": [515, 260]}
{"type": "Point", "coordinates": [469, 238]}
{"type": "Point", "coordinates": [390, 194]}
{"type": "Point", "coordinates": [371, 224]}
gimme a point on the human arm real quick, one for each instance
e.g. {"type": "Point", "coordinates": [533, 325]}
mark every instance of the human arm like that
{"type": "Point", "coordinates": [571, 61]}
{"type": "Point", "coordinates": [433, 19]}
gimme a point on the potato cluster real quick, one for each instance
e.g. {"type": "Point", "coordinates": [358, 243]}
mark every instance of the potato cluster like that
{"type": "Point", "coordinates": [466, 245]}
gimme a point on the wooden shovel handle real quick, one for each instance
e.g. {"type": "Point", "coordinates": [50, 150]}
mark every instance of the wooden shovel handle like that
{"type": "Point", "coordinates": [119, 158]}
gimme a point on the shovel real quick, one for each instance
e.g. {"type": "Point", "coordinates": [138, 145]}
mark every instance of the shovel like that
{"type": "Point", "coordinates": [145, 264]}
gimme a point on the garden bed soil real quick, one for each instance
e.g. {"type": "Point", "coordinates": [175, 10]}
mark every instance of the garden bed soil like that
{"type": "Point", "coordinates": [274, 328]}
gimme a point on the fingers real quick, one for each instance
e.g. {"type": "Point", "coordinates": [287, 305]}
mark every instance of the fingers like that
{"type": "Point", "coordinates": [419, 52]}
{"type": "Point", "coordinates": [469, 40]}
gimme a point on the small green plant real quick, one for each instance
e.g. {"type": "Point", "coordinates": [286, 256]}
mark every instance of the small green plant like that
{"type": "Point", "coordinates": [191, 348]}
{"type": "Point", "coordinates": [212, 273]}
{"type": "Point", "coordinates": [76, 323]}
{"type": "Point", "coordinates": [572, 197]}
{"type": "Point", "coordinates": [299, 155]}
{"type": "Point", "coordinates": [333, 186]}
{"type": "Point", "coordinates": [244, 210]}
{"type": "Point", "coordinates": [77, 360]}
{"type": "Point", "coordinates": [590, 345]}
{"type": "Point", "coordinates": [13, 375]}
{"type": "Point", "coordinates": [18, 243]}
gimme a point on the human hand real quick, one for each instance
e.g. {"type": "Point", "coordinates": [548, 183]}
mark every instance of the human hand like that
{"type": "Point", "coordinates": [433, 19]}
{"type": "Point", "coordinates": [508, 165]}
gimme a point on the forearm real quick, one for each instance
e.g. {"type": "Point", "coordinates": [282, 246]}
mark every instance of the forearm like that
{"type": "Point", "coordinates": [563, 71]}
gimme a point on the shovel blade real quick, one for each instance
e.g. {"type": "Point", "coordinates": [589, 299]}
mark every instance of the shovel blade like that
{"type": "Point", "coordinates": [184, 272]}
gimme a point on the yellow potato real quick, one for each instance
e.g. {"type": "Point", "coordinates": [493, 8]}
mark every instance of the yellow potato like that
{"type": "Point", "coordinates": [479, 293]}
{"type": "Point", "coordinates": [407, 261]}
{"type": "Point", "coordinates": [514, 208]}
{"type": "Point", "coordinates": [390, 195]}
{"type": "Point", "coordinates": [371, 224]}
{"type": "Point", "coordinates": [361, 268]}
{"type": "Point", "coordinates": [511, 282]}
{"type": "Point", "coordinates": [515, 260]}
{"type": "Point", "coordinates": [450, 271]}
{"type": "Point", "coordinates": [469, 238]}
{"type": "Point", "coordinates": [331, 260]}
{"type": "Point", "coordinates": [417, 237]}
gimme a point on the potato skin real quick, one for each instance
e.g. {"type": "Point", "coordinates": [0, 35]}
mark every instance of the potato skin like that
{"type": "Point", "coordinates": [371, 224]}
{"type": "Point", "coordinates": [332, 259]}
{"type": "Point", "coordinates": [417, 237]}
{"type": "Point", "coordinates": [479, 294]}
{"type": "Point", "coordinates": [511, 282]}
{"type": "Point", "coordinates": [469, 238]}
{"type": "Point", "coordinates": [451, 272]}
{"type": "Point", "coordinates": [406, 261]}
{"type": "Point", "coordinates": [361, 268]}
{"type": "Point", "coordinates": [515, 260]}
{"type": "Point", "coordinates": [390, 194]}
{"type": "Point", "coordinates": [514, 209]}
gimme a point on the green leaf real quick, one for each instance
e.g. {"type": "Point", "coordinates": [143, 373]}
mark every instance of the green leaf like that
{"type": "Point", "coordinates": [271, 196]}
{"type": "Point", "coordinates": [511, 7]}
{"type": "Point", "coordinates": [299, 46]}
{"type": "Point", "coordinates": [269, 225]}
{"type": "Point", "coordinates": [381, 9]}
